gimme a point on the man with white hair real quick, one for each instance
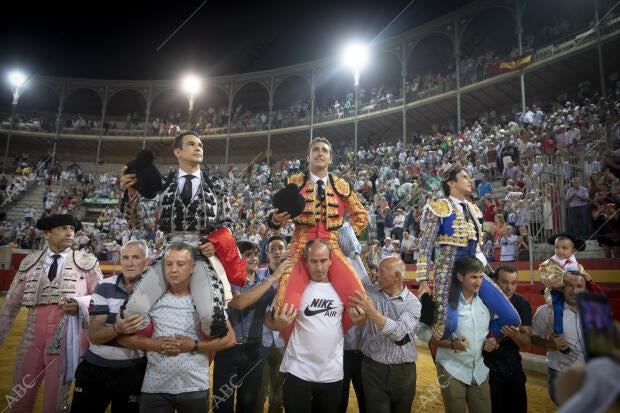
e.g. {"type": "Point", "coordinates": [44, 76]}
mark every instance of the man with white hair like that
{"type": "Point", "coordinates": [108, 372]}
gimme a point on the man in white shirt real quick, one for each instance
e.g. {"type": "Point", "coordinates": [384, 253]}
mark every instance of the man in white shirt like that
{"type": "Point", "coordinates": [407, 247]}
{"type": "Point", "coordinates": [313, 358]}
{"type": "Point", "coordinates": [29, 213]}
{"type": "Point", "coordinates": [399, 224]}
{"type": "Point", "coordinates": [542, 333]}
{"type": "Point", "coordinates": [508, 245]}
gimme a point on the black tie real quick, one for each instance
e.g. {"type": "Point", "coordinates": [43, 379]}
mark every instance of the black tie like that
{"type": "Point", "coordinates": [51, 274]}
{"type": "Point", "coordinates": [186, 192]}
{"type": "Point", "coordinates": [465, 211]}
{"type": "Point", "coordinates": [320, 190]}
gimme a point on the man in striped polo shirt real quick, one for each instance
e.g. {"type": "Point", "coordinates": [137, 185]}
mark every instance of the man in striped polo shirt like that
{"type": "Point", "coordinates": [108, 372]}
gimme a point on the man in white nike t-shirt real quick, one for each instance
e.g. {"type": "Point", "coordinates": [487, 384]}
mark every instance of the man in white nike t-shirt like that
{"type": "Point", "coordinates": [313, 358]}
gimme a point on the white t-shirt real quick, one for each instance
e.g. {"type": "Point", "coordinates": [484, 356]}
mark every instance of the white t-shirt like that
{"type": "Point", "coordinates": [315, 349]}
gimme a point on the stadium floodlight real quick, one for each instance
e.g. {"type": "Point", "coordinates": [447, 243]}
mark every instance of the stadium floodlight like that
{"type": "Point", "coordinates": [355, 57]}
{"type": "Point", "coordinates": [16, 79]}
{"type": "Point", "coordinates": [191, 85]}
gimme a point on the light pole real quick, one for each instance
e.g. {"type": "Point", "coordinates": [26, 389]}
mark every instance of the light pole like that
{"type": "Point", "coordinates": [16, 79]}
{"type": "Point", "coordinates": [355, 57]}
{"type": "Point", "coordinates": [191, 85]}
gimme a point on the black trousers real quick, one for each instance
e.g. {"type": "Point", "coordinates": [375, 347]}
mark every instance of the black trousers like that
{"type": "Point", "coordinates": [508, 392]}
{"type": "Point", "coordinates": [352, 374]}
{"type": "Point", "coordinates": [96, 387]}
{"type": "Point", "coordinates": [302, 396]}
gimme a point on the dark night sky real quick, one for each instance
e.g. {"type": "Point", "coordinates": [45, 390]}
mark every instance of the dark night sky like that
{"type": "Point", "coordinates": [118, 40]}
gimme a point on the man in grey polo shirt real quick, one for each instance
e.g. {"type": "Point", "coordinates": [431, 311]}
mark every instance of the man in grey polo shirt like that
{"type": "Point", "coordinates": [390, 314]}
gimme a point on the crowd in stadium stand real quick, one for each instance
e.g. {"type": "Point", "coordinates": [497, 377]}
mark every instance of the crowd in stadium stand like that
{"type": "Point", "coordinates": [519, 162]}
{"type": "Point", "coordinates": [214, 118]}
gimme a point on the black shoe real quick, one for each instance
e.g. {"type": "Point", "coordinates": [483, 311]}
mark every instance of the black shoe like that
{"type": "Point", "coordinates": [427, 315]}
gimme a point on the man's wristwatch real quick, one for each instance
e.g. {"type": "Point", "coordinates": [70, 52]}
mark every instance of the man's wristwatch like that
{"type": "Point", "coordinates": [195, 349]}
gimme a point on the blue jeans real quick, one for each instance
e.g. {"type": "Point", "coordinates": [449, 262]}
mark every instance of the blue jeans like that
{"type": "Point", "coordinates": [241, 368]}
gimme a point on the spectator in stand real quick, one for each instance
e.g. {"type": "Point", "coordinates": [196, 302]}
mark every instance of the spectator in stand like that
{"type": "Point", "coordinates": [408, 247]}
{"type": "Point", "coordinates": [373, 255]}
{"type": "Point", "coordinates": [29, 213]}
{"type": "Point", "coordinates": [488, 214]}
{"type": "Point", "coordinates": [380, 218]}
{"type": "Point", "coordinates": [484, 187]}
{"type": "Point", "coordinates": [606, 221]}
{"type": "Point", "coordinates": [388, 248]}
{"type": "Point", "coordinates": [594, 183]}
{"type": "Point", "coordinates": [396, 250]}
{"type": "Point", "coordinates": [510, 172]}
{"type": "Point", "coordinates": [577, 198]}
{"type": "Point", "coordinates": [399, 223]}
{"type": "Point", "coordinates": [500, 227]}
{"type": "Point", "coordinates": [487, 246]}
{"type": "Point", "coordinates": [523, 245]}
{"type": "Point", "coordinates": [388, 223]}
{"type": "Point", "coordinates": [508, 245]}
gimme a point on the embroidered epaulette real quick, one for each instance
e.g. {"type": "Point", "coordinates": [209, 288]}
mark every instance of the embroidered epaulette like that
{"type": "Point", "coordinates": [215, 183]}
{"type": "Point", "coordinates": [440, 208]}
{"type": "Point", "coordinates": [84, 260]}
{"type": "Point", "coordinates": [341, 186]}
{"type": "Point", "coordinates": [475, 210]}
{"type": "Point", "coordinates": [297, 179]}
{"type": "Point", "coordinates": [30, 260]}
